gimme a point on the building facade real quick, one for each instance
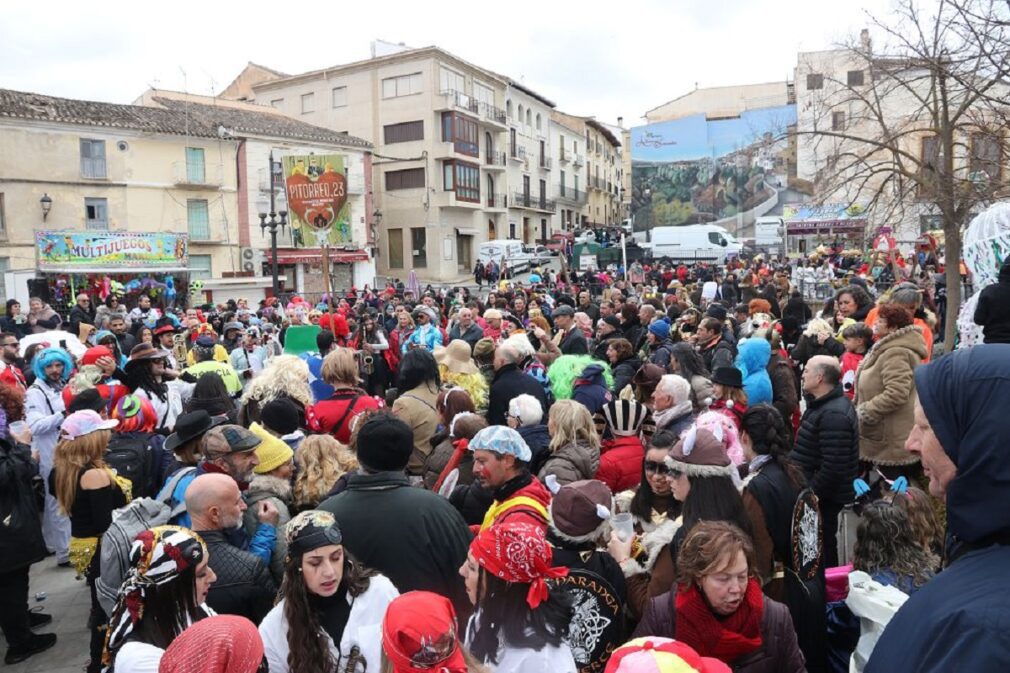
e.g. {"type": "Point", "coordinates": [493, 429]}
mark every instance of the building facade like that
{"type": "Point", "coordinates": [603, 176]}
{"type": "Point", "coordinates": [531, 166]}
{"type": "Point", "coordinates": [108, 168]}
{"type": "Point", "coordinates": [569, 133]}
{"type": "Point", "coordinates": [260, 132]}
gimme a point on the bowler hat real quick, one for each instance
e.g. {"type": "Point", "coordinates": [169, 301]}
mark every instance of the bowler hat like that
{"type": "Point", "coordinates": [728, 376]}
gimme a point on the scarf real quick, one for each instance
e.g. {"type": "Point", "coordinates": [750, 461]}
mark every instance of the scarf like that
{"type": "Point", "coordinates": [518, 552]}
{"type": "Point", "coordinates": [726, 638]}
{"type": "Point", "coordinates": [419, 635]}
{"type": "Point", "coordinates": [663, 417]}
{"type": "Point", "coordinates": [158, 556]}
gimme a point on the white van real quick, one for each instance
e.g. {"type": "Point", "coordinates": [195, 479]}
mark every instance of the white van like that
{"type": "Point", "coordinates": [694, 242]}
{"type": "Point", "coordinates": [515, 259]}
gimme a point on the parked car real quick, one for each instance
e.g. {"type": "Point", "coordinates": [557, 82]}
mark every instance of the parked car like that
{"type": "Point", "coordinates": [538, 254]}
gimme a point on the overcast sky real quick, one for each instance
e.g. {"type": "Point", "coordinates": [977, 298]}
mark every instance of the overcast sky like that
{"type": "Point", "coordinates": [606, 59]}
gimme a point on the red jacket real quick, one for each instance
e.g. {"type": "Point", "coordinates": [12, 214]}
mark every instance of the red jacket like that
{"type": "Point", "coordinates": [621, 463]}
{"type": "Point", "coordinates": [334, 416]}
{"type": "Point", "coordinates": [850, 363]}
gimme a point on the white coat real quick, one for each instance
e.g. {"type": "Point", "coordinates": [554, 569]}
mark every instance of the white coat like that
{"type": "Point", "coordinates": [364, 628]}
{"type": "Point", "coordinates": [44, 414]}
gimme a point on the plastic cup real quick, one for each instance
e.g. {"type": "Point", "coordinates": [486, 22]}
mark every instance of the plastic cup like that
{"type": "Point", "coordinates": [624, 525]}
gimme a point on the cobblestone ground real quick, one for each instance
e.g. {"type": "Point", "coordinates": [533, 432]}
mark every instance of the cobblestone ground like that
{"type": "Point", "coordinates": [68, 601]}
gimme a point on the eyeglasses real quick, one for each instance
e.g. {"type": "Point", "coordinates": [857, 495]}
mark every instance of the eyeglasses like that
{"type": "Point", "coordinates": [657, 468]}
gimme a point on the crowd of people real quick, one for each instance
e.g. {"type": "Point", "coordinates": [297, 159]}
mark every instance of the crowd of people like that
{"type": "Point", "coordinates": [696, 471]}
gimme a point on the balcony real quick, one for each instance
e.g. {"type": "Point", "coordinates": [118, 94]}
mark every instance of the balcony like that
{"type": "Point", "coordinates": [496, 201]}
{"type": "Point", "coordinates": [495, 161]}
{"type": "Point", "coordinates": [457, 100]}
{"type": "Point", "coordinates": [563, 156]}
{"type": "Point", "coordinates": [570, 195]}
{"type": "Point", "coordinates": [578, 160]}
{"type": "Point", "coordinates": [517, 153]}
{"type": "Point", "coordinates": [532, 202]}
{"type": "Point", "coordinates": [594, 183]}
{"type": "Point", "coordinates": [195, 176]}
{"type": "Point", "coordinates": [545, 163]}
{"type": "Point", "coordinates": [493, 115]}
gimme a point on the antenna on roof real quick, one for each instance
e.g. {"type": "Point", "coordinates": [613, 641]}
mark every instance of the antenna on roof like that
{"type": "Point", "coordinates": [185, 89]}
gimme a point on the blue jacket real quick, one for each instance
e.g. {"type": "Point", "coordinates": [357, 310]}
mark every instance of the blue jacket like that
{"type": "Point", "coordinates": [262, 542]}
{"type": "Point", "coordinates": [321, 390]}
{"type": "Point", "coordinates": [425, 336]}
{"type": "Point", "coordinates": [752, 361]}
{"type": "Point", "coordinates": [957, 621]}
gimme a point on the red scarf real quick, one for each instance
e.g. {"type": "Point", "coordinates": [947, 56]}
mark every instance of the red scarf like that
{"type": "Point", "coordinates": [460, 447]}
{"type": "Point", "coordinates": [726, 639]}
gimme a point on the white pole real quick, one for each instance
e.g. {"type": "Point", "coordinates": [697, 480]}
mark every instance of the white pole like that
{"type": "Point", "coordinates": [624, 254]}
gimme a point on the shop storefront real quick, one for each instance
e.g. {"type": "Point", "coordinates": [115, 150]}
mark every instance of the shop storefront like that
{"type": "Point", "coordinates": [101, 263]}
{"type": "Point", "coordinates": [834, 226]}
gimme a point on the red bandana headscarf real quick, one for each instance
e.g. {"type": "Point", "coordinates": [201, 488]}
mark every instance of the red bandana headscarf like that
{"type": "Point", "coordinates": [221, 644]}
{"type": "Point", "coordinates": [419, 634]}
{"type": "Point", "coordinates": [518, 552]}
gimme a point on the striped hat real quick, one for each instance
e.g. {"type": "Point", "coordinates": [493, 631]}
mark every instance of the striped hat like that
{"type": "Point", "coordinates": [624, 417]}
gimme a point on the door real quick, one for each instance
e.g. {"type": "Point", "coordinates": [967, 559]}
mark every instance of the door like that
{"type": "Point", "coordinates": [527, 234]}
{"type": "Point", "coordinates": [526, 190]}
{"type": "Point", "coordinates": [491, 232]}
{"type": "Point", "coordinates": [489, 148]}
{"type": "Point", "coordinates": [396, 248]}
{"type": "Point", "coordinates": [543, 230]}
{"type": "Point", "coordinates": [464, 244]}
{"type": "Point", "coordinates": [513, 150]}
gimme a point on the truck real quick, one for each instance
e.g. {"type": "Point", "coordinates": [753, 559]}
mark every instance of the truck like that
{"type": "Point", "coordinates": [694, 243]}
{"type": "Point", "coordinates": [506, 253]}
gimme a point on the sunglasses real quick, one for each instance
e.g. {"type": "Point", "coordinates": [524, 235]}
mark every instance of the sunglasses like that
{"type": "Point", "coordinates": [657, 468]}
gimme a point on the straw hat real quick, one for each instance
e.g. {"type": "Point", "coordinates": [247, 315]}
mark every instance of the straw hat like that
{"type": "Point", "coordinates": [456, 357]}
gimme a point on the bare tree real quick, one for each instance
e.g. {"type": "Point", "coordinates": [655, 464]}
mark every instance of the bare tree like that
{"type": "Point", "coordinates": [915, 125]}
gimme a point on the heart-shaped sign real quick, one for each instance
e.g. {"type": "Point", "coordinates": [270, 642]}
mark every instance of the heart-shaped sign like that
{"type": "Point", "coordinates": [317, 202]}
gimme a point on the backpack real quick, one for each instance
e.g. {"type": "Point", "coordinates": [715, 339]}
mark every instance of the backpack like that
{"type": "Point", "coordinates": [140, 515]}
{"type": "Point", "coordinates": [131, 456]}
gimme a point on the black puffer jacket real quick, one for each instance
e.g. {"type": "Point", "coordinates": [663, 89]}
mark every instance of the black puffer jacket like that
{"type": "Point", "coordinates": [624, 371]}
{"type": "Point", "coordinates": [509, 382]}
{"type": "Point", "coordinates": [827, 446]}
{"type": "Point", "coordinates": [244, 585]}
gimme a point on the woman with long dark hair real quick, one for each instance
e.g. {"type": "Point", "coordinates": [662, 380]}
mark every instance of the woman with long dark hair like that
{"type": "Point", "coordinates": [771, 489]}
{"type": "Point", "coordinates": [330, 616]}
{"type": "Point", "coordinates": [687, 362]}
{"type": "Point", "coordinates": [370, 339]}
{"type": "Point", "coordinates": [700, 474]}
{"type": "Point", "coordinates": [211, 395]}
{"type": "Point", "coordinates": [145, 376]}
{"type": "Point", "coordinates": [519, 623]}
{"type": "Point", "coordinates": [418, 396]}
{"type": "Point", "coordinates": [163, 594]}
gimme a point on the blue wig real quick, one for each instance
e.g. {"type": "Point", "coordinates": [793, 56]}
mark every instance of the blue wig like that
{"type": "Point", "coordinates": [46, 357]}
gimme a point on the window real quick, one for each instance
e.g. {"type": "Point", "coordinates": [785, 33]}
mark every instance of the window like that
{"type": "Point", "coordinates": [96, 214]}
{"type": "Point", "coordinates": [815, 81]}
{"type": "Point", "coordinates": [837, 121]}
{"type": "Point", "coordinates": [463, 178]}
{"type": "Point", "coordinates": [854, 78]}
{"type": "Point", "coordinates": [200, 267]}
{"type": "Point", "coordinates": [561, 184]}
{"type": "Point", "coordinates": [483, 93]}
{"type": "Point", "coordinates": [543, 193]}
{"type": "Point", "coordinates": [526, 189]}
{"type": "Point", "coordinates": [277, 103]}
{"type": "Point", "coordinates": [575, 180]}
{"type": "Point", "coordinates": [508, 109]}
{"type": "Point", "coordinates": [339, 96]}
{"type": "Point", "coordinates": [196, 171]}
{"type": "Point", "coordinates": [396, 248]}
{"type": "Point", "coordinates": [418, 246]}
{"type": "Point", "coordinates": [529, 117]}
{"type": "Point", "coordinates": [410, 178]}
{"type": "Point", "coordinates": [985, 157]}
{"type": "Point", "coordinates": [3, 218]}
{"type": "Point", "coordinates": [543, 151]}
{"type": "Point", "coordinates": [198, 219]}
{"type": "Point", "coordinates": [404, 85]}
{"type": "Point", "coordinates": [5, 264]}
{"type": "Point", "coordinates": [462, 132]}
{"type": "Point", "coordinates": [92, 158]}
{"type": "Point", "coordinates": [538, 121]}
{"type": "Point", "coordinates": [450, 80]}
{"type": "Point", "coordinates": [520, 116]}
{"type": "Point", "coordinates": [403, 132]}
{"type": "Point", "coordinates": [308, 102]}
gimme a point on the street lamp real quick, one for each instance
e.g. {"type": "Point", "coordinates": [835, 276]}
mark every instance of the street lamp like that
{"type": "Point", "coordinates": [273, 224]}
{"type": "Point", "coordinates": [47, 203]}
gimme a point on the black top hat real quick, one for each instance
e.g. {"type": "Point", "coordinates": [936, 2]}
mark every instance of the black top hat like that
{"type": "Point", "coordinates": [728, 376]}
{"type": "Point", "coordinates": [190, 426]}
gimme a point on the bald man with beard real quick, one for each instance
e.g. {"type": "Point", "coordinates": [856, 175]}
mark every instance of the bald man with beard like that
{"type": "Point", "coordinates": [244, 585]}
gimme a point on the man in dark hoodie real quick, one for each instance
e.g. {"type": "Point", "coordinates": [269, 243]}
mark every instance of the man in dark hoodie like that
{"type": "Point", "coordinates": [993, 310]}
{"type": "Point", "coordinates": [590, 388]}
{"type": "Point", "coordinates": [957, 620]}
